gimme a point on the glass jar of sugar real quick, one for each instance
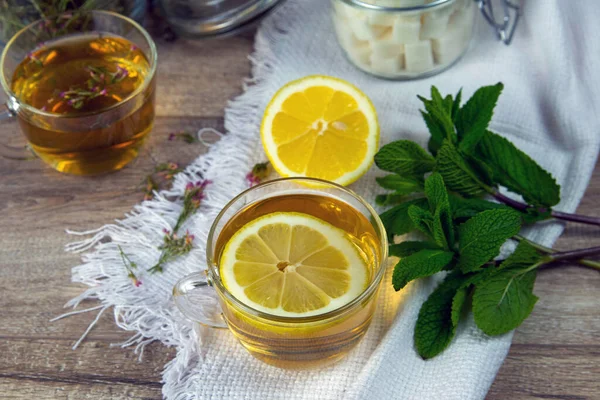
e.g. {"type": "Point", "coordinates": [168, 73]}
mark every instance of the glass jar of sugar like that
{"type": "Point", "coordinates": [404, 39]}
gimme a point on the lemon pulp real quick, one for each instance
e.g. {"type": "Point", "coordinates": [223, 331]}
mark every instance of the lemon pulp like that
{"type": "Point", "coordinates": [321, 127]}
{"type": "Point", "coordinates": [292, 264]}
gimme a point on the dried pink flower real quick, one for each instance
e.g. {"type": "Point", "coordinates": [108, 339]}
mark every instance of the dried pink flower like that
{"type": "Point", "coordinates": [258, 173]}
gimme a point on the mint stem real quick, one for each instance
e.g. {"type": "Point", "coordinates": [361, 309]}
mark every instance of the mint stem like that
{"type": "Point", "coordinates": [576, 256]}
{"type": "Point", "coordinates": [517, 205]}
{"type": "Point", "coordinates": [584, 219]}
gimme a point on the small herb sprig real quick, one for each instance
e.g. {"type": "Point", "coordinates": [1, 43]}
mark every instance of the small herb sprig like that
{"type": "Point", "coordinates": [161, 174]}
{"type": "Point", "coordinates": [97, 85]}
{"type": "Point", "coordinates": [463, 231]}
{"type": "Point", "coordinates": [258, 174]}
{"type": "Point", "coordinates": [130, 266]}
{"type": "Point", "coordinates": [174, 245]}
{"type": "Point", "coordinates": [187, 137]}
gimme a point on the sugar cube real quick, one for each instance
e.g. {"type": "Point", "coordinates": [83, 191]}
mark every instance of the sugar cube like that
{"type": "Point", "coordinates": [418, 56]}
{"type": "Point", "coordinates": [385, 46]}
{"type": "Point", "coordinates": [390, 66]}
{"type": "Point", "coordinates": [406, 31]}
{"type": "Point", "coordinates": [434, 25]}
{"type": "Point", "coordinates": [365, 31]}
{"type": "Point", "coordinates": [381, 18]}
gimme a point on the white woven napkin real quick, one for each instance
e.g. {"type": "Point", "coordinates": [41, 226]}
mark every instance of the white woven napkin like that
{"type": "Point", "coordinates": [548, 108]}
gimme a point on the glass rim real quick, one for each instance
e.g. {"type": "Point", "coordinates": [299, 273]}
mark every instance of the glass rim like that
{"type": "Point", "coordinates": [375, 7]}
{"type": "Point", "coordinates": [215, 279]}
{"type": "Point", "coordinates": [153, 59]}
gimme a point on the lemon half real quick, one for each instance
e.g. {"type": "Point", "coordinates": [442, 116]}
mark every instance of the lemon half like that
{"type": "Point", "coordinates": [321, 127]}
{"type": "Point", "coordinates": [292, 264]}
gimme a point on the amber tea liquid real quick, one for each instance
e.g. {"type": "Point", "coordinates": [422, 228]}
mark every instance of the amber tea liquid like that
{"type": "Point", "coordinates": [82, 82]}
{"type": "Point", "coordinates": [317, 341]}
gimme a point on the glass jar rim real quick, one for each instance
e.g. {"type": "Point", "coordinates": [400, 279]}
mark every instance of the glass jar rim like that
{"type": "Point", "coordinates": [147, 81]}
{"type": "Point", "coordinates": [215, 280]}
{"type": "Point", "coordinates": [375, 7]}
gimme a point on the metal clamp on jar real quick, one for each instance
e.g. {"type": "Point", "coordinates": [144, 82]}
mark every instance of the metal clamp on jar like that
{"type": "Point", "coordinates": [407, 39]}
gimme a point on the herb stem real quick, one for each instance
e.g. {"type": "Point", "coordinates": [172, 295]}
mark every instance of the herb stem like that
{"type": "Point", "coordinates": [576, 256]}
{"type": "Point", "coordinates": [584, 219]}
{"type": "Point", "coordinates": [535, 245]}
{"type": "Point", "coordinates": [517, 205]}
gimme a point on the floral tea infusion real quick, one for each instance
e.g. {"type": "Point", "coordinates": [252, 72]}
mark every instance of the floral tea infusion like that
{"type": "Point", "coordinates": [301, 258]}
{"type": "Point", "coordinates": [80, 83]}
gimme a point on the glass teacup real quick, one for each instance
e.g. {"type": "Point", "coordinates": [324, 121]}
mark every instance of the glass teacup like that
{"type": "Point", "coordinates": [284, 341]}
{"type": "Point", "coordinates": [82, 88]}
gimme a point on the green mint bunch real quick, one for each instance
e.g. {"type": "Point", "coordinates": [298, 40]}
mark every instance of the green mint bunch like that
{"type": "Point", "coordinates": [473, 161]}
{"type": "Point", "coordinates": [464, 237]}
{"type": "Point", "coordinates": [440, 195]}
{"type": "Point", "coordinates": [501, 294]}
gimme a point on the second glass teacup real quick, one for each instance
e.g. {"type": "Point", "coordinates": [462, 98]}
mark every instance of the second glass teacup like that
{"type": "Point", "coordinates": [82, 88]}
{"type": "Point", "coordinates": [341, 235]}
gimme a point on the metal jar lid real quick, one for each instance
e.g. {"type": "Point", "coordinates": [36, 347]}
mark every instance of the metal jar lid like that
{"type": "Point", "coordinates": [209, 18]}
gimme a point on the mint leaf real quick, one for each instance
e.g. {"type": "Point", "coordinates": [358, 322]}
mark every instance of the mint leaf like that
{"type": "Point", "coordinates": [437, 195]}
{"type": "Point", "coordinates": [437, 133]}
{"type": "Point", "coordinates": [421, 219]}
{"type": "Point", "coordinates": [438, 119]}
{"type": "Point", "coordinates": [388, 199]}
{"type": "Point", "coordinates": [456, 105]}
{"type": "Point", "coordinates": [457, 174]}
{"type": "Point", "coordinates": [443, 229]}
{"type": "Point", "coordinates": [533, 215]}
{"type": "Point", "coordinates": [483, 171]}
{"type": "Point", "coordinates": [474, 117]}
{"type": "Point", "coordinates": [408, 248]}
{"type": "Point", "coordinates": [444, 105]}
{"type": "Point", "coordinates": [458, 304]}
{"type": "Point", "coordinates": [396, 219]}
{"type": "Point", "coordinates": [404, 157]}
{"type": "Point", "coordinates": [435, 329]}
{"type": "Point", "coordinates": [419, 265]}
{"type": "Point", "coordinates": [480, 237]}
{"type": "Point", "coordinates": [466, 208]}
{"type": "Point", "coordinates": [504, 300]}
{"type": "Point", "coordinates": [449, 104]}
{"type": "Point", "coordinates": [524, 255]}
{"type": "Point", "coordinates": [401, 184]}
{"type": "Point", "coordinates": [517, 171]}
{"type": "Point", "coordinates": [436, 192]}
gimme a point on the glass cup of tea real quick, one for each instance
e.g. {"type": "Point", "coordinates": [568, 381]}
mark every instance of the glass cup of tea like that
{"type": "Point", "coordinates": [82, 88]}
{"type": "Point", "coordinates": [296, 265]}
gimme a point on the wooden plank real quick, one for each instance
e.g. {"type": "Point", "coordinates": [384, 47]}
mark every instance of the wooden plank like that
{"type": "Point", "coordinates": [549, 372]}
{"type": "Point", "coordinates": [93, 362]}
{"type": "Point", "coordinates": [40, 389]}
{"type": "Point", "coordinates": [198, 78]}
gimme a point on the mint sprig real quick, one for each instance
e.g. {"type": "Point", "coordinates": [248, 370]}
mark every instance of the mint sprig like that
{"type": "Point", "coordinates": [473, 161]}
{"type": "Point", "coordinates": [464, 231]}
{"type": "Point", "coordinates": [501, 290]}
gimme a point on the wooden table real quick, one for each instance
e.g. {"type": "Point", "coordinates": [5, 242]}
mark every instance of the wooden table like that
{"type": "Point", "coordinates": [555, 354]}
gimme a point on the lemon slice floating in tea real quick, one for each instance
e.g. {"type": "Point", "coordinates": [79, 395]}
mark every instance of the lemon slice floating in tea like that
{"type": "Point", "coordinates": [320, 127]}
{"type": "Point", "coordinates": [292, 264]}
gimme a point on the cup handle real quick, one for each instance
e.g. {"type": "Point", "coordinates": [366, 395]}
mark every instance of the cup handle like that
{"type": "Point", "coordinates": [11, 152]}
{"type": "Point", "coordinates": [197, 300]}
